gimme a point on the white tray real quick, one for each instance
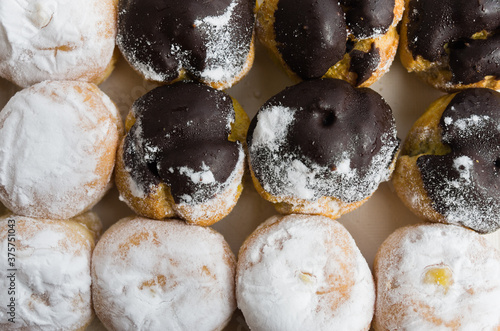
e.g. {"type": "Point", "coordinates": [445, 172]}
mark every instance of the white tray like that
{"type": "Point", "coordinates": [369, 225]}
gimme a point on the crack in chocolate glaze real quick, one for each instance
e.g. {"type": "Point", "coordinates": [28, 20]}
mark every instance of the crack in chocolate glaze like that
{"type": "Point", "coordinates": [311, 35]}
{"type": "Point", "coordinates": [438, 30]}
{"type": "Point", "coordinates": [159, 37]}
{"type": "Point", "coordinates": [180, 137]}
{"type": "Point", "coordinates": [323, 138]}
{"type": "Point", "coordinates": [464, 185]}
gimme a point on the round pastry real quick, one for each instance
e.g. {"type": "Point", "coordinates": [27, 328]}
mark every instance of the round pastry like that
{"type": "Point", "coordinates": [351, 40]}
{"type": "Point", "coordinates": [183, 154]}
{"type": "Point", "coordinates": [163, 275]}
{"type": "Point", "coordinates": [452, 44]}
{"type": "Point", "coordinates": [33, 47]}
{"type": "Point", "coordinates": [321, 147]}
{"type": "Point", "coordinates": [437, 277]}
{"type": "Point", "coordinates": [449, 167]}
{"type": "Point", "coordinates": [301, 272]}
{"type": "Point", "coordinates": [168, 40]}
{"type": "Point", "coordinates": [45, 281]}
{"type": "Point", "coordinates": [58, 141]}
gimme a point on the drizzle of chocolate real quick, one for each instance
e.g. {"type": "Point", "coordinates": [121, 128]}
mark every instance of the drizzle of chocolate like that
{"type": "Point", "coordinates": [182, 128]}
{"type": "Point", "coordinates": [148, 30]}
{"type": "Point", "coordinates": [364, 64]}
{"type": "Point", "coordinates": [434, 25]}
{"type": "Point", "coordinates": [311, 35]}
{"type": "Point", "coordinates": [332, 119]}
{"type": "Point", "coordinates": [464, 184]}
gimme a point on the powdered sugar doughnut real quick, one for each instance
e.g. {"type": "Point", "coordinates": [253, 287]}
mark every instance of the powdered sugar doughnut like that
{"type": "Point", "coordinates": [48, 282]}
{"type": "Point", "coordinates": [58, 141]}
{"type": "Point", "coordinates": [449, 168]}
{"type": "Point", "coordinates": [301, 272]}
{"type": "Point", "coordinates": [57, 40]}
{"type": "Point", "coordinates": [321, 147]}
{"type": "Point", "coordinates": [167, 40]}
{"type": "Point", "coordinates": [163, 275]}
{"type": "Point", "coordinates": [183, 154]}
{"type": "Point", "coordinates": [437, 277]}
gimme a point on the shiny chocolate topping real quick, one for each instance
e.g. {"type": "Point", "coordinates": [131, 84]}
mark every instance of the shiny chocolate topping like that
{"type": "Point", "coordinates": [364, 64]}
{"type": "Point", "coordinates": [311, 35]}
{"type": "Point", "coordinates": [369, 17]}
{"type": "Point", "coordinates": [438, 29]}
{"type": "Point", "coordinates": [322, 138]}
{"type": "Point", "coordinates": [180, 137]}
{"type": "Point", "coordinates": [472, 60]}
{"type": "Point", "coordinates": [210, 39]}
{"type": "Point", "coordinates": [464, 185]}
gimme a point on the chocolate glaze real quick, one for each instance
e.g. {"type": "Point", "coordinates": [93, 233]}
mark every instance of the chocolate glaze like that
{"type": "Point", "coordinates": [364, 64]}
{"type": "Point", "coordinates": [311, 35]}
{"type": "Point", "coordinates": [432, 25]}
{"type": "Point", "coordinates": [478, 188]}
{"type": "Point", "coordinates": [369, 17]}
{"type": "Point", "coordinates": [314, 41]}
{"type": "Point", "coordinates": [181, 126]}
{"type": "Point", "coordinates": [474, 59]}
{"type": "Point", "coordinates": [331, 118]}
{"type": "Point", "coordinates": [147, 30]}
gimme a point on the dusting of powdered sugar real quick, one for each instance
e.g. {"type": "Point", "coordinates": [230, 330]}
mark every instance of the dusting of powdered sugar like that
{"type": "Point", "coordinates": [302, 272]}
{"type": "Point", "coordinates": [217, 49]}
{"type": "Point", "coordinates": [464, 195]}
{"type": "Point", "coordinates": [273, 123]}
{"type": "Point", "coordinates": [472, 299]}
{"type": "Point", "coordinates": [34, 47]}
{"type": "Point", "coordinates": [205, 181]}
{"type": "Point", "coordinates": [205, 176]}
{"type": "Point", "coordinates": [52, 280]}
{"type": "Point", "coordinates": [49, 155]}
{"type": "Point", "coordinates": [225, 56]}
{"type": "Point", "coordinates": [224, 200]}
{"type": "Point", "coordinates": [185, 272]}
{"type": "Point", "coordinates": [284, 172]}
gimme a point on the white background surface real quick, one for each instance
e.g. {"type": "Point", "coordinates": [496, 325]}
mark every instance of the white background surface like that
{"type": "Point", "coordinates": [369, 225]}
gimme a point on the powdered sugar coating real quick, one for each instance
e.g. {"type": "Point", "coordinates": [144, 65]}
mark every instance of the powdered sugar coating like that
{"type": "Point", "coordinates": [406, 301]}
{"type": "Point", "coordinates": [163, 275]}
{"type": "Point", "coordinates": [58, 141]}
{"type": "Point", "coordinates": [56, 40]}
{"type": "Point", "coordinates": [301, 272]}
{"type": "Point", "coordinates": [52, 280]}
{"type": "Point", "coordinates": [224, 57]}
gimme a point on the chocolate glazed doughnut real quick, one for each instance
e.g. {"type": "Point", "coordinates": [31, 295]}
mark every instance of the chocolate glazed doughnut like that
{"type": "Point", "coordinates": [452, 44]}
{"type": "Point", "coordinates": [166, 40]}
{"type": "Point", "coordinates": [183, 153]}
{"type": "Point", "coordinates": [352, 40]}
{"type": "Point", "coordinates": [449, 170]}
{"type": "Point", "coordinates": [321, 147]}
